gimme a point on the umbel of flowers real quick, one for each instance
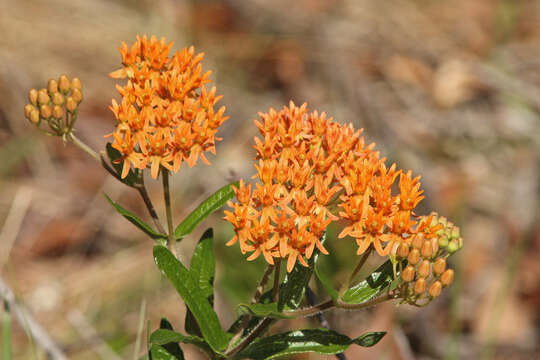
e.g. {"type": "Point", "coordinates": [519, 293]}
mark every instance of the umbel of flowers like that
{"type": "Point", "coordinates": [166, 115]}
{"type": "Point", "coordinates": [312, 171]}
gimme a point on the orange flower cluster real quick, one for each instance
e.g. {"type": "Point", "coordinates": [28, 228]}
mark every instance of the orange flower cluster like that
{"type": "Point", "coordinates": [308, 167]}
{"type": "Point", "coordinates": [166, 115]}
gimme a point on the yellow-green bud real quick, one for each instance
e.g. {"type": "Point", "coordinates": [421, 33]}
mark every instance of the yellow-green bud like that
{"type": "Point", "coordinates": [57, 98]}
{"type": "Point", "coordinates": [33, 96]}
{"type": "Point", "coordinates": [439, 266]}
{"type": "Point", "coordinates": [435, 289]}
{"type": "Point", "coordinates": [45, 111]}
{"type": "Point", "coordinates": [52, 86]}
{"type": "Point", "coordinates": [453, 246]}
{"type": "Point", "coordinates": [76, 83]}
{"type": "Point", "coordinates": [58, 112]}
{"type": "Point", "coordinates": [447, 277]}
{"type": "Point", "coordinates": [408, 274]}
{"type": "Point", "coordinates": [455, 232]}
{"type": "Point", "coordinates": [414, 257]}
{"type": "Point", "coordinates": [420, 286]}
{"type": "Point", "coordinates": [443, 241]}
{"type": "Point", "coordinates": [63, 83]}
{"type": "Point", "coordinates": [424, 269]}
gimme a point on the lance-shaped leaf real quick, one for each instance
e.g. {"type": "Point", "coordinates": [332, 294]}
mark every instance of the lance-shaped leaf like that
{"type": "Point", "coordinates": [372, 286]}
{"type": "Point", "coordinates": [136, 221]}
{"type": "Point", "coordinates": [208, 206]}
{"type": "Point", "coordinates": [132, 177]}
{"type": "Point", "coordinates": [188, 288]}
{"type": "Point", "coordinates": [294, 286]}
{"type": "Point", "coordinates": [163, 337]}
{"type": "Point", "coordinates": [203, 268]}
{"type": "Point", "coordinates": [262, 310]}
{"type": "Point", "coordinates": [320, 341]}
{"type": "Point", "coordinates": [158, 352]}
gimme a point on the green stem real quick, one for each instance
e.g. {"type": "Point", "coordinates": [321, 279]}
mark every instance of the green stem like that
{"type": "Point", "coordinates": [167, 196]}
{"type": "Point", "coordinates": [258, 330]}
{"type": "Point", "coordinates": [84, 147]}
{"type": "Point", "coordinates": [356, 270]}
{"type": "Point", "coordinates": [277, 274]}
{"type": "Point", "coordinates": [148, 202]}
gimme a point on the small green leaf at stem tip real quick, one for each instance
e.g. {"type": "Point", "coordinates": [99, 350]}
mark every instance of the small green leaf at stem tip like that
{"type": "Point", "coordinates": [262, 310]}
{"type": "Point", "coordinates": [322, 341]}
{"type": "Point", "coordinates": [188, 288]}
{"type": "Point", "coordinates": [147, 229]}
{"type": "Point", "coordinates": [372, 286]}
{"type": "Point", "coordinates": [132, 177]}
{"type": "Point", "coordinates": [207, 207]}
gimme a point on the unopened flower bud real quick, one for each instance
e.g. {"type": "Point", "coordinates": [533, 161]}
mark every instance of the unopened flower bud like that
{"type": "Point", "coordinates": [435, 289]}
{"type": "Point", "coordinates": [52, 86]}
{"type": "Point", "coordinates": [58, 112]}
{"type": "Point", "coordinates": [34, 116]}
{"type": "Point", "coordinates": [57, 98]}
{"type": "Point", "coordinates": [71, 105]}
{"type": "Point", "coordinates": [443, 241]}
{"type": "Point", "coordinates": [439, 266]}
{"type": "Point", "coordinates": [414, 257]}
{"type": "Point", "coordinates": [455, 232]}
{"type": "Point", "coordinates": [76, 83]}
{"type": "Point", "coordinates": [418, 241]}
{"type": "Point", "coordinates": [28, 108]}
{"type": "Point", "coordinates": [45, 111]}
{"type": "Point", "coordinates": [435, 246]}
{"type": "Point", "coordinates": [33, 96]}
{"type": "Point", "coordinates": [63, 83]}
{"type": "Point", "coordinates": [403, 250]}
{"type": "Point", "coordinates": [76, 94]}
{"type": "Point", "coordinates": [424, 269]}
{"type": "Point", "coordinates": [453, 246]}
{"type": "Point", "coordinates": [427, 250]}
{"type": "Point", "coordinates": [408, 274]}
{"type": "Point", "coordinates": [447, 277]}
{"type": "Point", "coordinates": [43, 97]}
{"type": "Point", "coordinates": [420, 286]}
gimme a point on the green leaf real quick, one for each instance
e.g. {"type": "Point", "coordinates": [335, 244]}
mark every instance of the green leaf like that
{"type": "Point", "coordinates": [208, 206]}
{"type": "Point", "coordinates": [372, 286]}
{"type": "Point", "coordinates": [320, 341]}
{"type": "Point", "coordinates": [262, 310]}
{"type": "Point", "coordinates": [203, 265]}
{"type": "Point", "coordinates": [203, 268]}
{"type": "Point", "coordinates": [6, 333]}
{"type": "Point", "coordinates": [147, 229]}
{"type": "Point", "coordinates": [294, 285]}
{"type": "Point", "coordinates": [188, 287]}
{"type": "Point", "coordinates": [170, 346]}
{"type": "Point", "coordinates": [158, 352]}
{"type": "Point", "coordinates": [369, 339]}
{"type": "Point", "coordinates": [326, 282]}
{"type": "Point", "coordinates": [132, 177]}
{"type": "Point", "coordinates": [164, 336]}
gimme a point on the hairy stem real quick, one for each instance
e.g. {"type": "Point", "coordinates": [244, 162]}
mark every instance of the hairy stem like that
{"type": "Point", "coordinates": [148, 202]}
{"type": "Point", "coordinates": [81, 145]}
{"type": "Point", "coordinates": [257, 331]}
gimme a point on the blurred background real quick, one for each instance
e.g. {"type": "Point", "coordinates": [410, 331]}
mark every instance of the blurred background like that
{"type": "Point", "coordinates": [450, 89]}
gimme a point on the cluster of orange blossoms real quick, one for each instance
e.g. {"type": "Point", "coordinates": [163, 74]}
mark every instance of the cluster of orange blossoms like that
{"type": "Point", "coordinates": [166, 115]}
{"type": "Point", "coordinates": [312, 171]}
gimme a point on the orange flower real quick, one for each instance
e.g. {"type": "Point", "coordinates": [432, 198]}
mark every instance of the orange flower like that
{"type": "Point", "coordinates": [165, 105]}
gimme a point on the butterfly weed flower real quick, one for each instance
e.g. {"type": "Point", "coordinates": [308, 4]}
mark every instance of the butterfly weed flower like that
{"type": "Point", "coordinates": [167, 115]}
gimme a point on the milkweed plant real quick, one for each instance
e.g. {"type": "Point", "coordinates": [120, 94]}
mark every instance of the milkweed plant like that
{"type": "Point", "coordinates": [310, 172]}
